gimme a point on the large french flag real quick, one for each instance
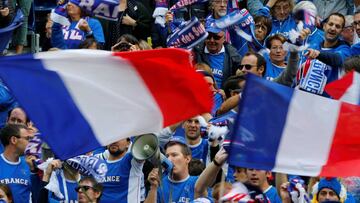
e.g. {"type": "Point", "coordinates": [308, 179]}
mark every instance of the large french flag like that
{"type": "Point", "coordinates": [84, 99]}
{"type": "Point", "coordinates": [295, 132]}
{"type": "Point", "coordinates": [346, 89]}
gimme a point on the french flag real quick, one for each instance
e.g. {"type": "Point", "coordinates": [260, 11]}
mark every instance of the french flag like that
{"type": "Point", "coordinates": [346, 89]}
{"type": "Point", "coordinates": [83, 99]}
{"type": "Point", "coordinates": [291, 131]}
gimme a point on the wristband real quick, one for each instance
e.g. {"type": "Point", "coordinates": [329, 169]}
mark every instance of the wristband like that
{"type": "Point", "coordinates": [216, 163]}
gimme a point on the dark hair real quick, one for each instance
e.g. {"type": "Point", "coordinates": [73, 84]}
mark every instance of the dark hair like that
{"type": "Point", "coordinates": [129, 39]}
{"type": "Point", "coordinates": [185, 150]}
{"type": "Point", "coordinates": [266, 21]}
{"type": "Point", "coordinates": [336, 14]}
{"type": "Point", "coordinates": [196, 167]}
{"type": "Point", "coordinates": [27, 120]}
{"type": "Point", "coordinates": [279, 37]}
{"type": "Point", "coordinates": [88, 42]}
{"type": "Point", "coordinates": [6, 190]}
{"type": "Point", "coordinates": [9, 131]}
{"type": "Point", "coordinates": [232, 83]}
{"type": "Point", "coordinates": [352, 63]}
{"type": "Point", "coordinates": [96, 185]}
{"type": "Point", "coordinates": [260, 60]}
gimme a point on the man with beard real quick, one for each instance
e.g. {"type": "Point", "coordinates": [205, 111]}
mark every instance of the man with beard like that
{"type": "Point", "coordinates": [332, 51]}
{"type": "Point", "coordinates": [14, 169]}
{"type": "Point", "coordinates": [355, 49]}
{"type": "Point", "coordinates": [122, 182]}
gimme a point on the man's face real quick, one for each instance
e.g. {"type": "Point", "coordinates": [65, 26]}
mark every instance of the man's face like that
{"type": "Point", "coordinates": [214, 42]}
{"type": "Point", "coordinates": [177, 158]}
{"type": "Point", "coordinates": [281, 10]}
{"type": "Point", "coordinates": [257, 177]}
{"type": "Point", "coordinates": [211, 83]}
{"type": "Point", "coordinates": [86, 192]}
{"type": "Point", "coordinates": [260, 31]}
{"type": "Point", "coordinates": [333, 28]}
{"type": "Point", "coordinates": [249, 65]}
{"type": "Point", "coordinates": [240, 174]}
{"type": "Point", "coordinates": [119, 147]}
{"type": "Point", "coordinates": [277, 52]}
{"type": "Point", "coordinates": [22, 140]}
{"type": "Point", "coordinates": [356, 24]}
{"type": "Point", "coordinates": [348, 34]}
{"type": "Point", "coordinates": [192, 128]}
{"type": "Point", "coordinates": [17, 116]}
{"type": "Point", "coordinates": [327, 194]}
{"type": "Point", "coordinates": [219, 7]}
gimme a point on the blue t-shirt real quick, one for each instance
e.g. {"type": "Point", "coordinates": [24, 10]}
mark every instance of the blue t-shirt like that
{"type": "Point", "coordinates": [17, 176]}
{"type": "Point", "coordinates": [272, 194]}
{"type": "Point", "coordinates": [67, 188]}
{"type": "Point", "coordinates": [200, 151]}
{"type": "Point", "coordinates": [217, 66]}
{"type": "Point", "coordinates": [272, 70]}
{"type": "Point", "coordinates": [181, 191]}
{"type": "Point", "coordinates": [122, 182]}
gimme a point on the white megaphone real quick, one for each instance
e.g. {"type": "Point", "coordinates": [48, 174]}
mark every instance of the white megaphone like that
{"type": "Point", "coordinates": [146, 147]}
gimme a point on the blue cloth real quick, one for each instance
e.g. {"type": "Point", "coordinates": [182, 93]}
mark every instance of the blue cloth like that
{"type": "Point", "coordinates": [355, 49]}
{"type": "Point", "coordinates": [70, 195]}
{"type": "Point", "coordinates": [200, 151]}
{"type": "Point", "coordinates": [17, 176]}
{"type": "Point", "coordinates": [272, 70]}
{"type": "Point", "coordinates": [218, 100]}
{"type": "Point", "coordinates": [272, 194]}
{"type": "Point", "coordinates": [282, 27]}
{"type": "Point", "coordinates": [217, 66]}
{"type": "Point", "coordinates": [182, 191]}
{"type": "Point", "coordinates": [7, 103]}
{"type": "Point", "coordinates": [70, 37]}
{"type": "Point", "coordinates": [122, 181]}
{"type": "Point", "coordinates": [313, 40]}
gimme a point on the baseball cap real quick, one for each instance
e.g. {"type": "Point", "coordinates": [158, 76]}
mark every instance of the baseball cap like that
{"type": "Point", "coordinates": [210, 26]}
{"type": "Point", "coordinates": [177, 139]}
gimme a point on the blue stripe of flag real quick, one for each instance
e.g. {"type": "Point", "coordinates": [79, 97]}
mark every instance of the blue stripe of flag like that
{"type": "Point", "coordinates": [260, 123]}
{"type": "Point", "coordinates": [46, 100]}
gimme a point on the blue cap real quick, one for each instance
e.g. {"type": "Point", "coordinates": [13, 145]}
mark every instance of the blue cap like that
{"type": "Point", "coordinates": [210, 26]}
{"type": "Point", "coordinates": [177, 139]}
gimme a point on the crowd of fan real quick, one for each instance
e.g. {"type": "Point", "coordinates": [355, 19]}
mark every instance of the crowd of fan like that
{"type": "Point", "coordinates": [200, 172]}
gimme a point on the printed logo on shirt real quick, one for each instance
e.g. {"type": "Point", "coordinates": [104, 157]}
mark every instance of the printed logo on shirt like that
{"type": "Point", "coordinates": [111, 179]}
{"type": "Point", "coordinates": [14, 181]}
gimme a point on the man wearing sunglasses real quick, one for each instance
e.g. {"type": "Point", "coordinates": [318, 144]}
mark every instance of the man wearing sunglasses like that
{"type": "Point", "coordinates": [222, 57]}
{"type": "Point", "coordinates": [14, 169]}
{"type": "Point", "coordinates": [89, 190]}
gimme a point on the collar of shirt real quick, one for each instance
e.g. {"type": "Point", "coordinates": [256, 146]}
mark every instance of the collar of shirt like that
{"type": "Point", "coordinates": [221, 51]}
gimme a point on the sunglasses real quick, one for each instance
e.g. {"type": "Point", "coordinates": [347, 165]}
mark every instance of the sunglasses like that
{"type": "Point", "coordinates": [247, 66]}
{"type": "Point", "coordinates": [83, 188]}
{"type": "Point", "coordinates": [214, 36]}
{"type": "Point", "coordinates": [28, 138]}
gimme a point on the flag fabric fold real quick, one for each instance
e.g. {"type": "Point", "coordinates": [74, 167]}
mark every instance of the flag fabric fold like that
{"type": "Point", "coordinates": [84, 99]}
{"type": "Point", "coordinates": [295, 132]}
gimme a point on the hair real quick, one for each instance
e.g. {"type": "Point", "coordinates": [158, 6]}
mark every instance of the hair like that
{"type": "Point", "coordinates": [9, 131]}
{"type": "Point", "coordinates": [232, 83]}
{"type": "Point", "coordinates": [266, 21]}
{"type": "Point", "coordinates": [217, 187]}
{"type": "Point", "coordinates": [203, 66]}
{"type": "Point", "coordinates": [352, 63]}
{"type": "Point", "coordinates": [185, 150]}
{"type": "Point", "coordinates": [96, 185]}
{"type": "Point", "coordinates": [336, 14]}
{"type": "Point", "coordinates": [6, 190]}
{"type": "Point", "coordinates": [88, 42]}
{"type": "Point", "coordinates": [196, 167]}
{"type": "Point", "coordinates": [260, 60]}
{"type": "Point", "coordinates": [291, 3]}
{"type": "Point", "coordinates": [144, 45]}
{"type": "Point", "coordinates": [27, 120]}
{"type": "Point", "coordinates": [279, 37]}
{"type": "Point", "coordinates": [129, 39]}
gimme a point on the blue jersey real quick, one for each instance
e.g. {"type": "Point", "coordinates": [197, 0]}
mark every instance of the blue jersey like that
{"type": "Point", "coordinates": [200, 151]}
{"type": "Point", "coordinates": [122, 182]}
{"type": "Point", "coordinates": [272, 194]}
{"type": "Point", "coordinates": [181, 191]}
{"type": "Point", "coordinates": [218, 100]}
{"type": "Point", "coordinates": [17, 177]}
{"type": "Point", "coordinates": [67, 188]}
{"type": "Point", "coordinates": [70, 37]}
{"type": "Point", "coordinates": [272, 70]}
{"type": "Point", "coordinates": [217, 66]}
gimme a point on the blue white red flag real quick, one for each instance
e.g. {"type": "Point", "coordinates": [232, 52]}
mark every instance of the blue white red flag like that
{"type": "Point", "coordinates": [83, 99]}
{"type": "Point", "coordinates": [346, 89]}
{"type": "Point", "coordinates": [295, 132]}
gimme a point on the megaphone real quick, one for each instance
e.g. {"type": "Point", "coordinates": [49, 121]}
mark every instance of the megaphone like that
{"type": "Point", "coordinates": [146, 147]}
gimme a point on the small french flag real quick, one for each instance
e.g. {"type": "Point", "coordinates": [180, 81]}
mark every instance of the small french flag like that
{"type": "Point", "coordinates": [295, 132]}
